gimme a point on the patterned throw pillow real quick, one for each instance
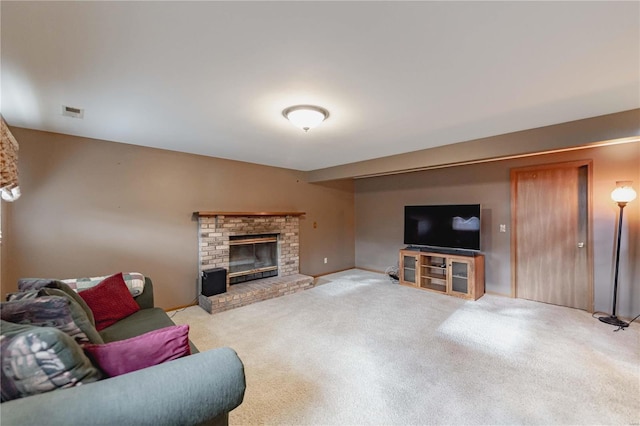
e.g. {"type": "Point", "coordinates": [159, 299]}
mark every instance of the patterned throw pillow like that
{"type": "Point", "coordinates": [26, 284]}
{"type": "Point", "coordinates": [45, 311]}
{"type": "Point", "coordinates": [110, 301]}
{"type": "Point", "coordinates": [136, 353]}
{"type": "Point", "coordinates": [78, 314]}
{"type": "Point", "coordinates": [34, 360]}
{"type": "Point", "coordinates": [133, 280]}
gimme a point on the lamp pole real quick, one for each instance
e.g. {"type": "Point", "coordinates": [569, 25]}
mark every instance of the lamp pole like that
{"type": "Point", "coordinates": [623, 194]}
{"type": "Point", "coordinates": [613, 319]}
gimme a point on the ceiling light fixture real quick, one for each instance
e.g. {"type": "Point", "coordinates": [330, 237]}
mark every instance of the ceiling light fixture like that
{"type": "Point", "coordinates": [305, 116]}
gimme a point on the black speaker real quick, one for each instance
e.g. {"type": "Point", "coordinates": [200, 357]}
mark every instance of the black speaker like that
{"type": "Point", "coordinates": [214, 281]}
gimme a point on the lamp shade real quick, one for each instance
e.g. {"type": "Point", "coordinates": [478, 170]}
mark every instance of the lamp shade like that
{"type": "Point", "coordinates": [305, 116]}
{"type": "Point", "coordinates": [624, 193]}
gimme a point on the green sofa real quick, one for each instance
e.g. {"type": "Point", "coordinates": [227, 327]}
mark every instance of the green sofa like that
{"type": "Point", "coordinates": [199, 389]}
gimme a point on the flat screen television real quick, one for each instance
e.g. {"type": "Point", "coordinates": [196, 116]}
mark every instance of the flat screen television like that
{"type": "Point", "coordinates": [443, 226]}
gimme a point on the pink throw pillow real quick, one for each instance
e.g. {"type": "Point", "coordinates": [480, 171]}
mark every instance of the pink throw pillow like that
{"type": "Point", "coordinates": [136, 353]}
{"type": "Point", "coordinates": [110, 301]}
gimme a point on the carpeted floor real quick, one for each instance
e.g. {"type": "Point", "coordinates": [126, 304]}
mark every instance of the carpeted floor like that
{"type": "Point", "coordinates": [360, 349]}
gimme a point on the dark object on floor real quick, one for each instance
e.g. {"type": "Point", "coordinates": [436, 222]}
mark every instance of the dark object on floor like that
{"type": "Point", "coordinates": [214, 281]}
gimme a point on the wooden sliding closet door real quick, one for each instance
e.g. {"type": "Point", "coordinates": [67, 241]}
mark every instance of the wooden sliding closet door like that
{"type": "Point", "coordinates": [550, 233]}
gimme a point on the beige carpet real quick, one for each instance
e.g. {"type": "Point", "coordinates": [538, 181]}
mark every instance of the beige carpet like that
{"type": "Point", "coordinates": [360, 349]}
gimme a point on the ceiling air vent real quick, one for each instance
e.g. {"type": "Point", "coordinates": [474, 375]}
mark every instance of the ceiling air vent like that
{"type": "Point", "coordinates": [72, 111]}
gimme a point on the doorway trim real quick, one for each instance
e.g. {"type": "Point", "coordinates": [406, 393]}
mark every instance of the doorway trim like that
{"type": "Point", "coordinates": [514, 236]}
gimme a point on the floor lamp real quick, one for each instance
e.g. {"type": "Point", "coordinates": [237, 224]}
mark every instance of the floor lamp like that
{"type": "Point", "coordinates": [622, 195]}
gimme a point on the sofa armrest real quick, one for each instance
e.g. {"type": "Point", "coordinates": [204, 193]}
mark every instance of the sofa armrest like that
{"type": "Point", "coordinates": [145, 299]}
{"type": "Point", "coordinates": [197, 389]}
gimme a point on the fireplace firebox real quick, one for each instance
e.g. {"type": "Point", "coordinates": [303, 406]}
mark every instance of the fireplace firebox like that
{"type": "Point", "coordinates": [252, 257]}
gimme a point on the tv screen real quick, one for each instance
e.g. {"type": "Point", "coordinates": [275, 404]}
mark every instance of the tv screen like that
{"type": "Point", "coordinates": [446, 226]}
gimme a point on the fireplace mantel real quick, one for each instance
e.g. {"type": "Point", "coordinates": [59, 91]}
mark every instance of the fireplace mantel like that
{"type": "Point", "coordinates": [212, 214]}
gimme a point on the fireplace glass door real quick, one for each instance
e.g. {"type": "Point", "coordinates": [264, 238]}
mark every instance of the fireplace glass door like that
{"type": "Point", "coordinates": [252, 257]}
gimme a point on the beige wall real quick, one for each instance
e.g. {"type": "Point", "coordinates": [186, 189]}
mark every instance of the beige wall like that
{"type": "Point", "coordinates": [92, 207]}
{"type": "Point", "coordinates": [380, 201]}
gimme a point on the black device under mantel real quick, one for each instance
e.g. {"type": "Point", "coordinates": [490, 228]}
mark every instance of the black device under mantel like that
{"type": "Point", "coordinates": [214, 281]}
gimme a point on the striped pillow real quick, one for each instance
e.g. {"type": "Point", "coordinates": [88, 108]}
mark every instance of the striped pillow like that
{"type": "Point", "coordinates": [133, 280]}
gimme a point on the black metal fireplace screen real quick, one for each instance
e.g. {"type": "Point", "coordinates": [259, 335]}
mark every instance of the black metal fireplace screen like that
{"type": "Point", "coordinates": [252, 257]}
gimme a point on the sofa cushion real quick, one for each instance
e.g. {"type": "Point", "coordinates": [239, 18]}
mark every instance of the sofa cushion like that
{"type": "Point", "coordinates": [136, 353]}
{"type": "Point", "coordinates": [38, 308]}
{"type": "Point", "coordinates": [36, 359]}
{"type": "Point", "coordinates": [110, 301]}
{"type": "Point", "coordinates": [26, 284]}
{"type": "Point", "coordinates": [141, 322]}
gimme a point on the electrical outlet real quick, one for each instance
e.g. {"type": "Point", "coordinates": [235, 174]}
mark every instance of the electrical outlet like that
{"type": "Point", "coordinates": [325, 260]}
{"type": "Point", "coordinates": [503, 227]}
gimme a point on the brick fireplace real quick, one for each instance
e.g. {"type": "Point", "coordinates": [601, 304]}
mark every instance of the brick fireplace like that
{"type": "Point", "coordinates": [221, 232]}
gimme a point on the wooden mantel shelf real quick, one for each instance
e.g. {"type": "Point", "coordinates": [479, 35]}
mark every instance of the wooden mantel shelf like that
{"type": "Point", "coordinates": [209, 214]}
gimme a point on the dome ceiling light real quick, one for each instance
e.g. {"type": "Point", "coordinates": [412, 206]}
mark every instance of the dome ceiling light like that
{"type": "Point", "coordinates": [305, 116]}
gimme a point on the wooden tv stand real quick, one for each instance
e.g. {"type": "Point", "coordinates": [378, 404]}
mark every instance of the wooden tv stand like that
{"type": "Point", "coordinates": [453, 274]}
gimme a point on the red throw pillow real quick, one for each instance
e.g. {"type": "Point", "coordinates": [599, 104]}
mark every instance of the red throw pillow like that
{"type": "Point", "coordinates": [110, 301]}
{"type": "Point", "coordinates": [146, 350]}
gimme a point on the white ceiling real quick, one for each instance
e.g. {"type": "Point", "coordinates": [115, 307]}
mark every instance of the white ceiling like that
{"type": "Point", "coordinates": [212, 78]}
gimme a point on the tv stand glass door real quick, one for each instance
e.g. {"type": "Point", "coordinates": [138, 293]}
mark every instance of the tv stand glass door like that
{"type": "Point", "coordinates": [459, 276]}
{"type": "Point", "coordinates": [409, 266]}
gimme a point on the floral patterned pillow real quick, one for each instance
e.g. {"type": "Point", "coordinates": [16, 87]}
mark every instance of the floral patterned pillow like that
{"type": "Point", "coordinates": [49, 311]}
{"type": "Point", "coordinates": [36, 359]}
{"type": "Point", "coordinates": [27, 284]}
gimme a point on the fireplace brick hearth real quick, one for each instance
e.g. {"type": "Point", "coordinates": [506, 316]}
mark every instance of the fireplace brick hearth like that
{"type": "Point", "coordinates": [255, 291]}
{"type": "Point", "coordinates": [215, 229]}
